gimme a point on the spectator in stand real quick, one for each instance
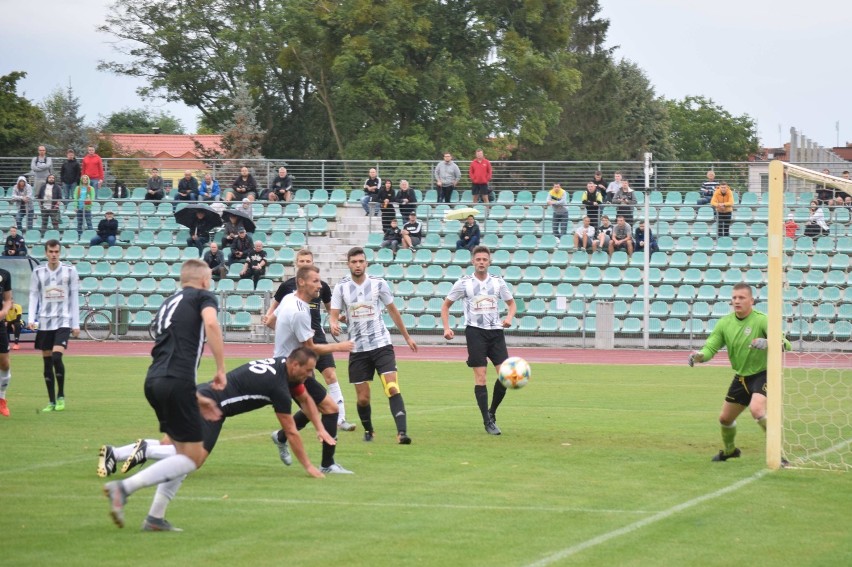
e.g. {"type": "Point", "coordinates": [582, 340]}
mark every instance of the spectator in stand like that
{"type": "Point", "coordinates": [41, 166]}
{"type": "Point", "coordinates": [584, 235]}
{"type": "Point", "coordinates": [604, 235]}
{"type": "Point", "coordinates": [14, 322]}
{"type": "Point", "coordinates": [209, 190]}
{"type": "Point", "coordinates": [845, 175]}
{"type": "Point", "coordinates": [468, 235]}
{"type": "Point", "coordinates": [723, 204]}
{"type": "Point", "coordinates": [107, 231]}
{"type": "Point", "coordinates": [392, 236]}
{"type": "Point", "coordinates": [22, 195]}
{"type": "Point", "coordinates": [847, 202]}
{"type": "Point", "coordinates": [255, 266]}
{"type": "Point", "coordinates": [406, 198]}
{"type": "Point", "coordinates": [281, 188]}
{"type": "Point", "coordinates": [244, 187]}
{"type": "Point", "coordinates": [187, 189]}
{"type": "Point", "coordinates": [639, 239]}
{"type": "Point", "coordinates": [93, 167]}
{"type": "Point", "coordinates": [215, 260]}
{"type": "Point", "coordinates": [199, 232]}
{"type": "Point", "coordinates": [611, 189]}
{"type": "Point", "coordinates": [412, 232]}
{"type": "Point", "coordinates": [480, 176]}
{"type": "Point", "coordinates": [154, 190]}
{"type": "Point", "coordinates": [593, 200]}
{"type": "Point", "coordinates": [50, 202]}
{"type": "Point", "coordinates": [230, 229]}
{"type": "Point", "coordinates": [708, 189]}
{"type": "Point", "coordinates": [241, 247]}
{"type": "Point", "coordinates": [598, 180]}
{"type": "Point", "coordinates": [447, 177]}
{"type": "Point", "coordinates": [386, 198]}
{"type": "Point", "coordinates": [825, 194]}
{"type": "Point", "coordinates": [83, 197]}
{"type": "Point", "coordinates": [558, 199]}
{"type": "Point", "coordinates": [622, 237]}
{"type": "Point", "coordinates": [816, 221]}
{"type": "Point", "coordinates": [69, 174]}
{"type": "Point", "coordinates": [791, 227]}
{"type": "Point", "coordinates": [246, 207]}
{"type": "Point", "coordinates": [371, 192]}
{"type": "Point", "coordinates": [15, 245]}
{"type": "Point", "coordinates": [626, 201]}
{"type": "Point", "coordinates": [119, 190]}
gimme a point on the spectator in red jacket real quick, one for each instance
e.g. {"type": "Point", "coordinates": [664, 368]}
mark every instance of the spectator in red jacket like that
{"type": "Point", "coordinates": [480, 175]}
{"type": "Point", "coordinates": [93, 166]}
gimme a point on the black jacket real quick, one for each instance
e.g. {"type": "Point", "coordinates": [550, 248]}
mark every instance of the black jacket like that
{"type": "Point", "coordinates": [108, 228]}
{"type": "Point", "coordinates": [70, 172]}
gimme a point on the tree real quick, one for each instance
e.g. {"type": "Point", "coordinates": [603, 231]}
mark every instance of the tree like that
{"type": "Point", "coordinates": [65, 127]}
{"type": "Point", "coordinates": [140, 121]}
{"type": "Point", "coordinates": [22, 122]}
{"type": "Point", "coordinates": [704, 131]}
{"type": "Point", "coordinates": [241, 136]}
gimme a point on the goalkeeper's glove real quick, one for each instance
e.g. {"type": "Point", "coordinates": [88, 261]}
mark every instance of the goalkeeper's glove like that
{"type": "Point", "coordinates": [759, 344]}
{"type": "Point", "coordinates": [691, 360]}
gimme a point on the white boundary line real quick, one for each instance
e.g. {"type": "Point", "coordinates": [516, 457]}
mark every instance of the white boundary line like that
{"type": "Point", "coordinates": [630, 528]}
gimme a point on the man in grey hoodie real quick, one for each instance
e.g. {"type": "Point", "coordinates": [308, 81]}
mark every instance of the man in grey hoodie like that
{"type": "Point", "coordinates": [41, 166]}
{"type": "Point", "coordinates": [447, 176]}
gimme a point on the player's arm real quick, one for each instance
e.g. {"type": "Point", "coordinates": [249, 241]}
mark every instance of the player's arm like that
{"type": "Point", "coordinates": [34, 301]}
{"type": "Point", "coordinates": [319, 350]}
{"type": "Point", "coordinates": [512, 308]}
{"type": "Point", "coordinates": [445, 318]}
{"type": "Point", "coordinates": [296, 446]}
{"type": "Point", "coordinates": [714, 342]}
{"type": "Point", "coordinates": [334, 321]}
{"type": "Point", "coordinates": [7, 305]}
{"type": "Point", "coordinates": [306, 402]}
{"type": "Point", "coordinates": [74, 302]}
{"type": "Point", "coordinates": [397, 320]}
{"type": "Point", "coordinates": [269, 317]}
{"type": "Point", "coordinates": [216, 344]}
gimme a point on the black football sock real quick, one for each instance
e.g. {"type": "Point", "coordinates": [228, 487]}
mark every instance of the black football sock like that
{"type": "Point", "coordinates": [59, 369]}
{"type": "Point", "coordinates": [397, 407]}
{"type": "Point", "coordinates": [282, 437]}
{"type": "Point", "coordinates": [365, 413]}
{"type": "Point", "coordinates": [481, 393]}
{"type": "Point", "coordinates": [497, 396]}
{"type": "Point", "coordinates": [330, 423]}
{"type": "Point", "coordinates": [301, 420]}
{"type": "Point", "coordinates": [49, 381]}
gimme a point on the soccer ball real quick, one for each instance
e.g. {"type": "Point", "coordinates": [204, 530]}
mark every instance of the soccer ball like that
{"type": "Point", "coordinates": [514, 372]}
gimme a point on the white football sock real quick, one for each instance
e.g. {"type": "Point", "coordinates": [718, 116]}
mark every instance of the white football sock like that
{"type": "Point", "coordinates": [5, 378]}
{"type": "Point", "coordinates": [337, 395]}
{"type": "Point", "coordinates": [165, 492]}
{"type": "Point", "coordinates": [121, 453]}
{"type": "Point", "coordinates": [162, 471]}
{"type": "Point", "coordinates": [160, 452]}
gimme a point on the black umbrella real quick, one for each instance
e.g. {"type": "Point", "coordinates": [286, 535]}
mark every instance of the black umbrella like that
{"type": "Point", "coordinates": [243, 216]}
{"type": "Point", "coordinates": [186, 215]}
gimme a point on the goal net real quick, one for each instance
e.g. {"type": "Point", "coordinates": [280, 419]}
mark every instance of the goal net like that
{"type": "Point", "coordinates": [809, 299]}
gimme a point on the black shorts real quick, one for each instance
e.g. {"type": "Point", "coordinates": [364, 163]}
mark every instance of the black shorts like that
{"type": "Point", "coordinates": [4, 338]}
{"type": "Point", "coordinates": [46, 340]}
{"type": "Point", "coordinates": [176, 406]}
{"type": "Point", "coordinates": [743, 387]}
{"type": "Point", "coordinates": [479, 189]}
{"type": "Point", "coordinates": [364, 365]}
{"type": "Point", "coordinates": [484, 344]}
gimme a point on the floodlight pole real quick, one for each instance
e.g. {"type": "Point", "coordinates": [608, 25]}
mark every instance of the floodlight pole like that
{"type": "Point", "coordinates": [646, 261]}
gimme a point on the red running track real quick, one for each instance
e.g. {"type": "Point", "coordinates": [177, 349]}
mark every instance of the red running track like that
{"type": "Point", "coordinates": [459, 353]}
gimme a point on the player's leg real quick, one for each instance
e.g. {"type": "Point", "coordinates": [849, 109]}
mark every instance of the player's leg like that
{"type": "Point", "coordinates": [477, 360]}
{"type": "Point", "coordinates": [361, 371]}
{"type": "Point", "coordinates": [329, 412]}
{"type": "Point", "coordinates": [735, 403]}
{"type": "Point", "coordinates": [497, 353]}
{"type": "Point", "coordinates": [384, 359]}
{"type": "Point", "coordinates": [49, 379]}
{"type": "Point", "coordinates": [757, 407]}
{"type": "Point", "coordinates": [59, 372]}
{"type": "Point", "coordinates": [326, 365]}
{"type": "Point", "coordinates": [5, 376]}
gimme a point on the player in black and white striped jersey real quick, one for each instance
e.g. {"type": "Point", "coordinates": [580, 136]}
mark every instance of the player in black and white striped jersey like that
{"type": "Point", "coordinates": [55, 307]}
{"type": "Point", "coordinates": [483, 329]}
{"type": "Point", "coordinates": [362, 299]}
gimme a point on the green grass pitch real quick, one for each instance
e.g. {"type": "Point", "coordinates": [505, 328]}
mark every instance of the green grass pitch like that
{"type": "Point", "coordinates": [597, 465]}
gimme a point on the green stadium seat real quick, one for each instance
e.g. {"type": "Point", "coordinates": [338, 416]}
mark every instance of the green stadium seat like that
{"type": "Point", "coordinates": [625, 292]}
{"type": "Point", "coordinates": [599, 259]}
{"type": "Point", "coordinates": [506, 197]}
{"type": "Point", "coordinates": [585, 290]}
{"type": "Point", "coordinates": [701, 310]}
{"type": "Point", "coordinates": [733, 276]}
{"type": "Point", "coordinates": [548, 324]}
{"type": "Point", "coordinates": [672, 326]}
{"type": "Point", "coordinates": [151, 253]}
{"type": "Point", "coordinates": [633, 275]}
{"type": "Point", "coordinates": [376, 271]}
{"type": "Point", "coordinates": [168, 286]}
{"type": "Point", "coordinates": [589, 324]}
{"type": "Point", "coordinates": [569, 325]}
{"type": "Point", "coordinates": [815, 277]}
{"type": "Point", "coordinates": [573, 274]}
{"type": "Point", "coordinates": [513, 274]}
{"type": "Point", "coordinates": [842, 331]}
{"type": "Point", "coordinates": [672, 276]}
{"type": "Point", "coordinates": [226, 284]}
{"type": "Point", "coordinates": [245, 285]}
{"type": "Point", "coordinates": [461, 257]}
{"type": "Point", "coordinates": [337, 197]}
{"type": "Point", "coordinates": [837, 278]}
{"type": "Point", "coordinates": [754, 277]}
{"type": "Point", "coordinates": [528, 324]}
{"type": "Point", "coordinates": [564, 289]}
{"type": "Point", "coordinates": [712, 276]}
{"type": "Point", "coordinates": [611, 275]}
{"type": "Point", "coordinates": [234, 302]}
{"type": "Point", "coordinates": [121, 269]}
{"type": "Point", "coordinates": [740, 260]}
{"type": "Point", "coordinates": [605, 292]}
{"type": "Point", "coordinates": [524, 290]}
{"type": "Point", "coordinates": [580, 258]}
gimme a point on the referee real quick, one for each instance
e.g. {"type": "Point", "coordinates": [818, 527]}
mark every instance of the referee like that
{"type": "Point", "coordinates": [483, 329]}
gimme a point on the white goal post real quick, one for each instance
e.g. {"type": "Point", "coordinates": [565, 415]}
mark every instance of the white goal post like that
{"type": "Point", "coordinates": [779, 172]}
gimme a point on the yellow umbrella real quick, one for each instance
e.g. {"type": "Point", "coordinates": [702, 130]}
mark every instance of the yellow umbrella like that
{"type": "Point", "coordinates": [461, 214]}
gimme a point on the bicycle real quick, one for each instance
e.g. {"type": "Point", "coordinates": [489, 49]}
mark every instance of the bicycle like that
{"type": "Point", "coordinates": [97, 322]}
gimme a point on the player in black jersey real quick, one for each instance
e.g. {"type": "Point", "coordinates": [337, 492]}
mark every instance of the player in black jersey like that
{"type": "Point", "coordinates": [5, 372]}
{"type": "Point", "coordinates": [325, 363]}
{"type": "Point", "coordinates": [182, 323]}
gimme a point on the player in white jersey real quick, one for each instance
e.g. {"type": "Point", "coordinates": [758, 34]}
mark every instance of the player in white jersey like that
{"type": "Point", "coordinates": [483, 329]}
{"type": "Point", "coordinates": [55, 306]}
{"type": "Point", "coordinates": [292, 323]}
{"type": "Point", "coordinates": [362, 298]}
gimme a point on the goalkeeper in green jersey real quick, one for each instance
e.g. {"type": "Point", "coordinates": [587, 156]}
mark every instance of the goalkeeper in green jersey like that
{"type": "Point", "coordinates": [743, 332]}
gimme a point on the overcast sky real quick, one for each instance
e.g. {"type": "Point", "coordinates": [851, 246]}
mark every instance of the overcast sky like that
{"type": "Point", "coordinates": [784, 63]}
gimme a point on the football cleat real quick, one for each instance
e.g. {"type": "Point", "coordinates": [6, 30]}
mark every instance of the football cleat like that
{"type": "Point", "coordinates": [283, 451]}
{"type": "Point", "coordinates": [4, 408]}
{"type": "Point", "coordinates": [60, 404]}
{"type": "Point", "coordinates": [152, 524]}
{"type": "Point", "coordinates": [403, 439]}
{"type": "Point", "coordinates": [16, 347]}
{"type": "Point", "coordinates": [723, 457]}
{"type": "Point", "coordinates": [368, 436]}
{"type": "Point", "coordinates": [49, 407]}
{"type": "Point", "coordinates": [117, 498]}
{"type": "Point", "coordinates": [346, 425]}
{"type": "Point", "coordinates": [491, 427]}
{"type": "Point", "coordinates": [335, 469]}
{"type": "Point", "coordinates": [138, 456]}
{"type": "Point", "coordinates": [106, 461]}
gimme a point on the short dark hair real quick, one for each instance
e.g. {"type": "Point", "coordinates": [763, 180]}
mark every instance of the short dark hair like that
{"type": "Point", "coordinates": [743, 285]}
{"type": "Point", "coordinates": [304, 252]}
{"type": "Point", "coordinates": [480, 249]}
{"type": "Point", "coordinates": [302, 273]}
{"type": "Point", "coordinates": [301, 355]}
{"type": "Point", "coordinates": [52, 243]}
{"type": "Point", "coordinates": [356, 251]}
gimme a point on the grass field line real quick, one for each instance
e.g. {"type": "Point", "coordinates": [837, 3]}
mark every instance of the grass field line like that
{"type": "Point", "coordinates": [833, 449]}
{"type": "Point", "coordinates": [639, 524]}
